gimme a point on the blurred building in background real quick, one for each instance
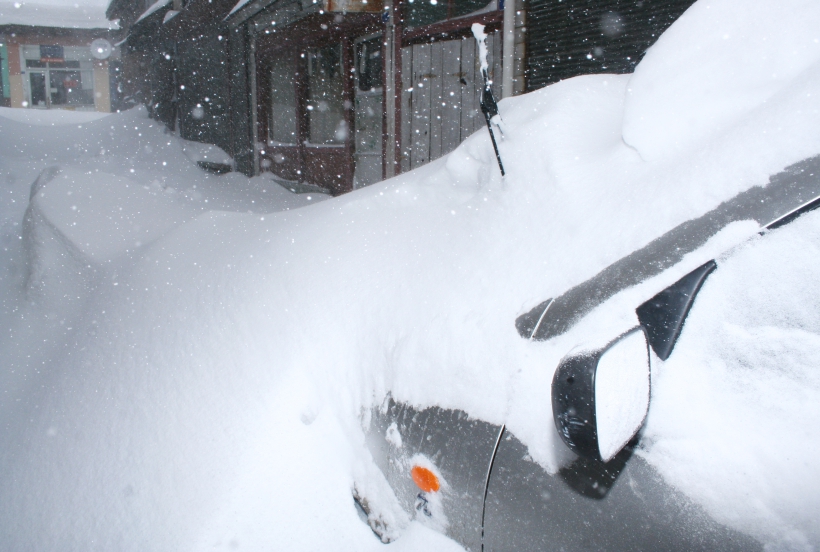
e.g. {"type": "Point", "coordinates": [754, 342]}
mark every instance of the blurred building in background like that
{"type": "Point", "coordinates": [56, 57]}
{"type": "Point", "coordinates": [343, 93]}
{"type": "Point", "coordinates": [175, 62]}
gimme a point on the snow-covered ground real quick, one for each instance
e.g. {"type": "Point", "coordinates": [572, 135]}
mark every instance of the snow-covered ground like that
{"type": "Point", "coordinates": [186, 357]}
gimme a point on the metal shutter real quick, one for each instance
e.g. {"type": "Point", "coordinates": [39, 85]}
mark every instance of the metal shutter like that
{"type": "Point", "coordinates": [566, 38]}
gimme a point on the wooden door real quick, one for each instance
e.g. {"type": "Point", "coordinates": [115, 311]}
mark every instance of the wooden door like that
{"type": "Point", "coordinates": [369, 112]}
{"type": "Point", "coordinates": [441, 86]}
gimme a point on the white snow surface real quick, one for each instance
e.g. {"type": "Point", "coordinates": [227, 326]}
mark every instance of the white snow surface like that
{"type": "Point", "coordinates": [734, 415]}
{"type": "Point", "coordinates": [238, 6]}
{"type": "Point", "coordinates": [51, 117]}
{"type": "Point", "coordinates": [720, 63]}
{"type": "Point", "coordinates": [189, 372]}
{"type": "Point", "coordinates": [481, 38]}
{"type": "Point", "coordinates": [51, 14]}
{"type": "Point", "coordinates": [621, 393]}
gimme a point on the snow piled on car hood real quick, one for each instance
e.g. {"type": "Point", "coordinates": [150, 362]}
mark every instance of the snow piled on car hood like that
{"type": "Point", "coordinates": [198, 382]}
{"type": "Point", "coordinates": [718, 65]}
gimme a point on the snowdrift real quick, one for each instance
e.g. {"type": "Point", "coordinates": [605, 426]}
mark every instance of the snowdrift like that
{"type": "Point", "coordinates": [719, 69]}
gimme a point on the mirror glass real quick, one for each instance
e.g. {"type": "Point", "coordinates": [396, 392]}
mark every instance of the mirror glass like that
{"type": "Point", "coordinates": [621, 392]}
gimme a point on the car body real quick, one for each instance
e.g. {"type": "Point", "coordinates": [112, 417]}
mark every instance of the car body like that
{"type": "Point", "coordinates": [494, 496]}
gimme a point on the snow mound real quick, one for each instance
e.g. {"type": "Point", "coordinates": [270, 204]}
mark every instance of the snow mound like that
{"type": "Point", "coordinates": [53, 117]}
{"type": "Point", "coordinates": [102, 215]}
{"type": "Point", "coordinates": [720, 61]}
{"type": "Point", "coordinates": [197, 151]}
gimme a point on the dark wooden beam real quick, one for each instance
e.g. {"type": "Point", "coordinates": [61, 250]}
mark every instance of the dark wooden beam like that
{"type": "Point", "coordinates": [452, 28]}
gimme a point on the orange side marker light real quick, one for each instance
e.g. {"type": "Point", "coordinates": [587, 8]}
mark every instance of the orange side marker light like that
{"type": "Point", "coordinates": [425, 479]}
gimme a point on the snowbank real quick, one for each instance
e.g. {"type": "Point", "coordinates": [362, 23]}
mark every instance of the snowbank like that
{"type": "Point", "coordinates": [720, 63]}
{"type": "Point", "coordinates": [56, 117]}
{"type": "Point", "coordinates": [103, 215]}
{"type": "Point", "coordinates": [205, 389]}
{"type": "Point", "coordinates": [196, 151]}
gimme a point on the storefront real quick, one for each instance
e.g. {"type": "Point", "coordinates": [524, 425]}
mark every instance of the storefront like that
{"type": "Point", "coordinates": [345, 94]}
{"type": "Point", "coordinates": [58, 77]}
{"type": "Point", "coordinates": [56, 69]}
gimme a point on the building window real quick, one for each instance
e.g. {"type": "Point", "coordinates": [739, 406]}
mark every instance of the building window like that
{"type": "Point", "coordinates": [59, 76]}
{"type": "Point", "coordinates": [418, 13]}
{"type": "Point", "coordinates": [369, 64]}
{"type": "Point", "coordinates": [52, 52]}
{"type": "Point", "coordinates": [67, 88]}
{"type": "Point", "coordinates": [325, 106]}
{"type": "Point", "coordinates": [283, 100]}
{"type": "Point", "coordinates": [60, 86]}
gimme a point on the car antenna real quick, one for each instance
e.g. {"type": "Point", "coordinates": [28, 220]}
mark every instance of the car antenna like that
{"type": "Point", "coordinates": [489, 107]}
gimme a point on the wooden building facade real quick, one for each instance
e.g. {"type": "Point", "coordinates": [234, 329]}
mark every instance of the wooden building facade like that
{"type": "Point", "coordinates": [344, 94]}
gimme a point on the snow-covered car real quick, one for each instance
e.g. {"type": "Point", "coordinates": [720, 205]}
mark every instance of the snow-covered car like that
{"type": "Point", "coordinates": [193, 361]}
{"type": "Point", "coordinates": [476, 481]}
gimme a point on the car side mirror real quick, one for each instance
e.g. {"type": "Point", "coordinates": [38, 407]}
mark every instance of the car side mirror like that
{"type": "Point", "coordinates": [600, 398]}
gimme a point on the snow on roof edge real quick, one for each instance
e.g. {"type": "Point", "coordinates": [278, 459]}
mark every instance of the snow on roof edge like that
{"type": "Point", "coordinates": [154, 7]}
{"type": "Point", "coordinates": [33, 14]}
{"type": "Point", "coordinates": [238, 6]}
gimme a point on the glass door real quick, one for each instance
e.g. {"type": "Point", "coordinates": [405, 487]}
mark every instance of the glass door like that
{"type": "Point", "coordinates": [369, 106]}
{"type": "Point", "coordinates": [325, 106]}
{"type": "Point", "coordinates": [37, 84]}
{"type": "Point", "coordinates": [283, 122]}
